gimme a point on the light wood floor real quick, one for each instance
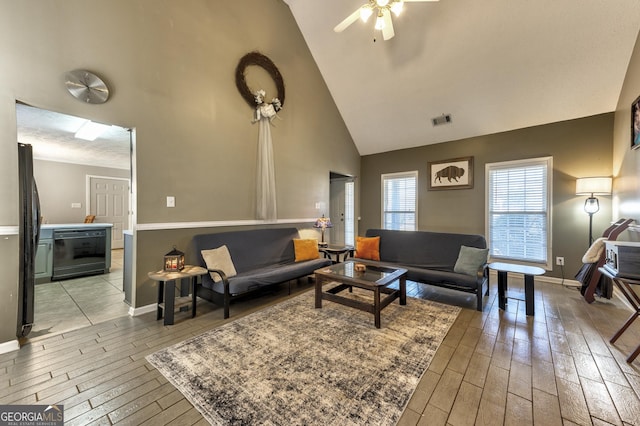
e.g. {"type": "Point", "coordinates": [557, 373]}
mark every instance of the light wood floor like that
{"type": "Point", "coordinates": [493, 368]}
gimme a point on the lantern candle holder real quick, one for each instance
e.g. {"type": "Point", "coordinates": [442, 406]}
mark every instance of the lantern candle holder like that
{"type": "Point", "coordinates": [174, 261]}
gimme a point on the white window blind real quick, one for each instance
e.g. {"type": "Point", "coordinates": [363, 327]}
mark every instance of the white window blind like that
{"type": "Point", "coordinates": [518, 210]}
{"type": "Point", "coordinates": [399, 201]}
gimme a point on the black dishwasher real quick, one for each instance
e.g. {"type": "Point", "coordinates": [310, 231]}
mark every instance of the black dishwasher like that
{"type": "Point", "coordinates": [78, 252]}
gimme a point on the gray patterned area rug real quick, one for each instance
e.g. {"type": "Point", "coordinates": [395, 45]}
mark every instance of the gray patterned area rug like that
{"type": "Point", "coordinates": [293, 364]}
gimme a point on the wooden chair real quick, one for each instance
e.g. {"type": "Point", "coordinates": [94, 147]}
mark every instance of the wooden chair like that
{"type": "Point", "coordinates": [611, 233]}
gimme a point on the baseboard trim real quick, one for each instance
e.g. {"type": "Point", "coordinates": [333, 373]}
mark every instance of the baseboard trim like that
{"type": "Point", "coordinates": [559, 281]}
{"type": "Point", "coordinates": [541, 278]}
{"type": "Point", "coordinates": [134, 312]}
{"type": "Point", "coordinates": [10, 346]}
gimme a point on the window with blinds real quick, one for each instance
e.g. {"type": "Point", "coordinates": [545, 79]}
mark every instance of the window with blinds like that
{"type": "Point", "coordinates": [518, 210]}
{"type": "Point", "coordinates": [399, 201]}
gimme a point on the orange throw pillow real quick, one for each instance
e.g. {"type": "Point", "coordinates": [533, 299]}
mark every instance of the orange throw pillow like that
{"type": "Point", "coordinates": [368, 248]}
{"type": "Point", "coordinates": [306, 249]}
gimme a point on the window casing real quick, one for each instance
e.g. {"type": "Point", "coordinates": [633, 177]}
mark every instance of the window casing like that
{"type": "Point", "coordinates": [518, 210]}
{"type": "Point", "coordinates": [400, 201]}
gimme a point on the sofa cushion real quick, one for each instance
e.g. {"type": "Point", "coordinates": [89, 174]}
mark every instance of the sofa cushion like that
{"type": "Point", "coordinates": [219, 258]}
{"type": "Point", "coordinates": [470, 260]}
{"type": "Point", "coordinates": [433, 276]}
{"type": "Point", "coordinates": [368, 248]}
{"type": "Point", "coordinates": [305, 249]}
{"type": "Point", "coordinates": [252, 249]}
{"type": "Point", "coordinates": [273, 274]}
{"type": "Point", "coordinates": [424, 249]}
{"type": "Point", "coordinates": [444, 278]}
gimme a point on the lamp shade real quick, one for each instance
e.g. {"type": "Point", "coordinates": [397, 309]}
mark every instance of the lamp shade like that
{"type": "Point", "coordinates": [593, 185]}
{"type": "Point", "coordinates": [323, 222]}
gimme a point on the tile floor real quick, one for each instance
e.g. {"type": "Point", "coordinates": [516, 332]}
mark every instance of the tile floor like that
{"type": "Point", "coordinates": [80, 302]}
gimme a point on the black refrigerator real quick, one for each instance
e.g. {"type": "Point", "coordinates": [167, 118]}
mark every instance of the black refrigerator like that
{"type": "Point", "coordinates": [29, 235]}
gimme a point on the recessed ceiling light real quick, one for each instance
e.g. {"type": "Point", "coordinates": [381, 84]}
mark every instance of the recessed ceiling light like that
{"type": "Point", "coordinates": [91, 130]}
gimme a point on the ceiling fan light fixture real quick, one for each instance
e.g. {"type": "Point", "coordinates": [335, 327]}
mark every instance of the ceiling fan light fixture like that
{"type": "Point", "coordinates": [383, 10]}
{"type": "Point", "coordinates": [365, 13]}
{"type": "Point", "coordinates": [396, 7]}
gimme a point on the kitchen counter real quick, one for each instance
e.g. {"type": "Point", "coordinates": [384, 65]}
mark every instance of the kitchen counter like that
{"type": "Point", "coordinates": [75, 225]}
{"type": "Point", "coordinates": [80, 249]}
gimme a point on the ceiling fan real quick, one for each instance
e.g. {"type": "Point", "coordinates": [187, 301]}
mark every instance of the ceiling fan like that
{"type": "Point", "coordinates": [382, 9]}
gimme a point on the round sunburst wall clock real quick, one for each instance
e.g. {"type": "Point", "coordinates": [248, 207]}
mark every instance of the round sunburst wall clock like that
{"type": "Point", "coordinates": [86, 86]}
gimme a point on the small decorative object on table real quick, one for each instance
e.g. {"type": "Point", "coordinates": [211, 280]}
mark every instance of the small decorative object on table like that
{"type": "Point", "coordinates": [174, 261]}
{"type": "Point", "coordinates": [323, 223]}
{"type": "Point", "coordinates": [360, 267]}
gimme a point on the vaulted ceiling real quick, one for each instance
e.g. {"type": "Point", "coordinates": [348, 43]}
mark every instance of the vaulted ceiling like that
{"type": "Point", "coordinates": [494, 65]}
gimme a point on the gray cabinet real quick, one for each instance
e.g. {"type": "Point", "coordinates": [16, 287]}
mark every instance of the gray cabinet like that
{"type": "Point", "coordinates": [44, 260]}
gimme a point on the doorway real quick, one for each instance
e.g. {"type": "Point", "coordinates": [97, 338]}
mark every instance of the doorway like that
{"type": "Point", "coordinates": [76, 178]}
{"type": "Point", "coordinates": [342, 209]}
{"type": "Point", "coordinates": [109, 202]}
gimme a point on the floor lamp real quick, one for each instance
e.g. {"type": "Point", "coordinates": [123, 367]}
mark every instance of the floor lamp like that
{"type": "Point", "coordinates": [592, 186]}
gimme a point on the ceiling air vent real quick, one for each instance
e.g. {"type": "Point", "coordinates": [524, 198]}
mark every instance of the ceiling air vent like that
{"type": "Point", "coordinates": [443, 119]}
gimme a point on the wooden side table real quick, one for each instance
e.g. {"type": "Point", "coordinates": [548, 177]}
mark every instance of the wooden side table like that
{"type": "Point", "coordinates": [528, 271]}
{"type": "Point", "coordinates": [167, 301]}
{"type": "Point", "coordinates": [632, 297]}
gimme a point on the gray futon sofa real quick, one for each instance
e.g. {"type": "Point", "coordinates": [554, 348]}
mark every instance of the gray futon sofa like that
{"type": "Point", "coordinates": [261, 257]}
{"type": "Point", "coordinates": [430, 258]}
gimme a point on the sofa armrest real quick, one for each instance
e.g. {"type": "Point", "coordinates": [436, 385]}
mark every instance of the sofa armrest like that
{"type": "Point", "coordinates": [225, 283]}
{"type": "Point", "coordinates": [483, 272]}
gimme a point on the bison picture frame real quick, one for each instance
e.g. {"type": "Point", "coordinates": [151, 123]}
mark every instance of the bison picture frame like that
{"type": "Point", "coordinates": [456, 173]}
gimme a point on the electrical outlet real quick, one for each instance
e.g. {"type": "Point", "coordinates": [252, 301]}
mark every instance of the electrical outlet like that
{"type": "Point", "coordinates": [171, 201]}
{"type": "Point", "coordinates": [560, 260]}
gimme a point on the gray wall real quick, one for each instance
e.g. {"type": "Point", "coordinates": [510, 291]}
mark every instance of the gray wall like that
{"type": "Point", "coordinates": [579, 148]}
{"type": "Point", "coordinates": [626, 162]}
{"type": "Point", "coordinates": [171, 66]}
{"type": "Point", "coordinates": [60, 184]}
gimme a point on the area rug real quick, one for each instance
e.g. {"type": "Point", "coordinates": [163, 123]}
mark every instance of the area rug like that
{"type": "Point", "coordinates": [292, 364]}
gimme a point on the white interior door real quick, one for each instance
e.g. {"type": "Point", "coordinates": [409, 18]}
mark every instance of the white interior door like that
{"type": "Point", "coordinates": [109, 202]}
{"type": "Point", "coordinates": [342, 209]}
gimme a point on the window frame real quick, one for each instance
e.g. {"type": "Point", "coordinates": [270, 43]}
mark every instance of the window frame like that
{"type": "Point", "coordinates": [548, 162]}
{"type": "Point", "coordinates": [398, 175]}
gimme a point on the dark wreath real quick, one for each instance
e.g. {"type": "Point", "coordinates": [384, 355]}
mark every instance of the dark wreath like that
{"type": "Point", "coordinates": [257, 59]}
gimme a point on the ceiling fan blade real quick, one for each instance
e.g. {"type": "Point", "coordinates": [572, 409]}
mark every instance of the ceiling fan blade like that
{"type": "Point", "coordinates": [348, 21]}
{"type": "Point", "coordinates": [387, 31]}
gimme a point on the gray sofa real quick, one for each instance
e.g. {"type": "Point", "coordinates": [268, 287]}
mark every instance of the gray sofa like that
{"type": "Point", "coordinates": [261, 257]}
{"type": "Point", "coordinates": [430, 257]}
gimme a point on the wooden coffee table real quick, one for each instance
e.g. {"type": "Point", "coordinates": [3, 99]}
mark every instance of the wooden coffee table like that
{"type": "Point", "coordinates": [375, 278]}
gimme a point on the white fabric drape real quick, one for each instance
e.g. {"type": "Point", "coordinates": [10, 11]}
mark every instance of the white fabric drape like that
{"type": "Point", "coordinates": [266, 185]}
